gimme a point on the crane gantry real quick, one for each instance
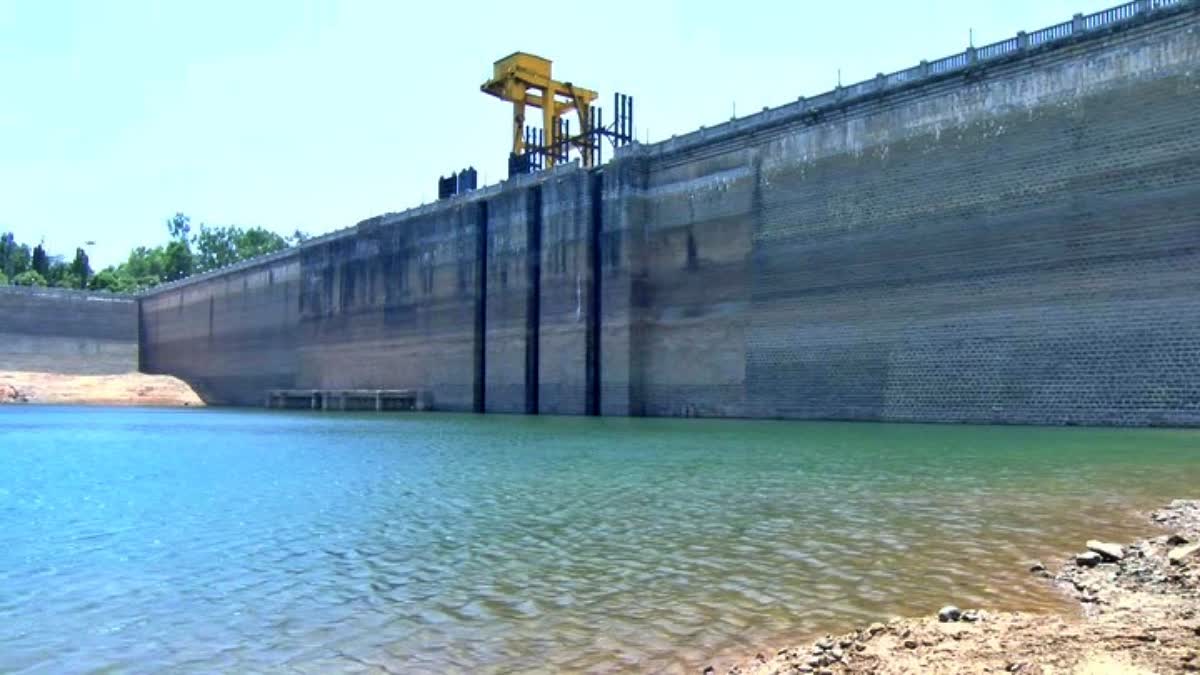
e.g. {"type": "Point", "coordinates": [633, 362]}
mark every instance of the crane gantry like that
{"type": "Point", "coordinates": [525, 80]}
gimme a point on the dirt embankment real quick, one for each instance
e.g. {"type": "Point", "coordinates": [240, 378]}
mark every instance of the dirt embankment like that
{"type": "Point", "coordinates": [125, 389]}
{"type": "Point", "coordinates": [1140, 613]}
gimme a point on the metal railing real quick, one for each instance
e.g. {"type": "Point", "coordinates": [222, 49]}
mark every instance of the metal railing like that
{"type": "Point", "coordinates": [1079, 25]}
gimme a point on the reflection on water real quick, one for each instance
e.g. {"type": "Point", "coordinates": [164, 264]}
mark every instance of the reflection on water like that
{"type": "Point", "coordinates": [206, 540]}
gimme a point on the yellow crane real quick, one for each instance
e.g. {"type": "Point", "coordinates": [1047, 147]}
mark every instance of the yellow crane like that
{"type": "Point", "coordinates": [525, 80]}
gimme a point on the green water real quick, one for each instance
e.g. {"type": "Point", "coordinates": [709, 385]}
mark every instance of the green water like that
{"type": "Point", "coordinates": [209, 540]}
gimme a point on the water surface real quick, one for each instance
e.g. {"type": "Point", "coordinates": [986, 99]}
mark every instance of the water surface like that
{"type": "Point", "coordinates": [213, 540]}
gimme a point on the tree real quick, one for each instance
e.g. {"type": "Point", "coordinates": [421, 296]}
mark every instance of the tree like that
{"type": "Point", "coordinates": [177, 261]}
{"type": "Point", "coordinates": [79, 269]}
{"type": "Point", "coordinates": [41, 264]}
{"type": "Point", "coordinates": [112, 280]}
{"type": "Point", "coordinates": [29, 278]}
{"type": "Point", "coordinates": [220, 246]}
{"type": "Point", "coordinates": [58, 273]}
{"type": "Point", "coordinates": [3, 279]}
{"type": "Point", "coordinates": [14, 257]}
{"type": "Point", "coordinates": [179, 226]}
{"type": "Point", "coordinates": [216, 247]}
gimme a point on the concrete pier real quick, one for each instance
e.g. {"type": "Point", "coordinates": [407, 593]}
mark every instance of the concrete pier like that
{"type": "Point", "coordinates": [378, 400]}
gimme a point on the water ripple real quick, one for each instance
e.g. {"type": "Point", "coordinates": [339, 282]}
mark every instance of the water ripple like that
{"type": "Point", "coordinates": [202, 541]}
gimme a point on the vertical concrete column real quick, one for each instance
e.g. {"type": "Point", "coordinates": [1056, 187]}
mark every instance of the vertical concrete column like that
{"type": "Point", "coordinates": [141, 337]}
{"type": "Point", "coordinates": [595, 227]}
{"type": "Point", "coordinates": [533, 252]}
{"type": "Point", "coordinates": [479, 398]}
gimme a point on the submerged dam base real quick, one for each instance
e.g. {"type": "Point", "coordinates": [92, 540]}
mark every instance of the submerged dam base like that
{"type": "Point", "coordinates": [1008, 235]}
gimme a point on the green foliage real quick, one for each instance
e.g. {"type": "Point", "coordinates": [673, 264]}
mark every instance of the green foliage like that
{"type": "Point", "coordinates": [41, 264]}
{"type": "Point", "coordinates": [218, 247]}
{"type": "Point", "coordinates": [58, 273]}
{"type": "Point", "coordinates": [179, 226]}
{"type": "Point", "coordinates": [177, 261]}
{"type": "Point", "coordinates": [211, 247]}
{"type": "Point", "coordinates": [14, 257]}
{"type": "Point", "coordinates": [108, 279]}
{"type": "Point", "coordinates": [29, 278]}
{"type": "Point", "coordinates": [80, 269]}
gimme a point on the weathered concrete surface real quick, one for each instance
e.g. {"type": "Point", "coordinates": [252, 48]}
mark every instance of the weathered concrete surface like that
{"type": "Point", "coordinates": [70, 332]}
{"type": "Point", "coordinates": [232, 337]}
{"type": "Point", "coordinates": [1015, 242]}
{"type": "Point", "coordinates": [1015, 245]}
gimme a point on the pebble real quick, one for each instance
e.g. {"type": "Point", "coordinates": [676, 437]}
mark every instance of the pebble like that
{"type": "Point", "coordinates": [876, 628]}
{"type": "Point", "coordinates": [949, 613]}
{"type": "Point", "coordinates": [1037, 567]}
{"type": "Point", "coordinates": [1176, 540]}
{"type": "Point", "coordinates": [1089, 559]}
{"type": "Point", "coordinates": [971, 616]}
{"type": "Point", "coordinates": [910, 644]}
{"type": "Point", "coordinates": [1181, 553]}
{"type": "Point", "coordinates": [1110, 552]}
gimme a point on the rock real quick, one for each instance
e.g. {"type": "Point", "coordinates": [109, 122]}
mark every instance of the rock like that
{"type": "Point", "coordinates": [710, 671]}
{"type": "Point", "coordinates": [1110, 552]}
{"type": "Point", "coordinates": [1176, 540]}
{"type": "Point", "coordinates": [836, 654]}
{"type": "Point", "coordinates": [910, 644]}
{"type": "Point", "coordinates": [826, 643]}
{"type": "Point", "coordinates": [816, 661]}
{"type": "Point", "coordinates": [875, 629]}
{"type": "Point", "coordinates": [1037, 566]}
{"type": "Point", "coordinates": [971, 616]}
{"type": "Point", "coordinates": [949, 613]}
{"type": "Point", "coordinates": [1181, 553]}
{"type": "Point", "coordinates": [1089, 559]}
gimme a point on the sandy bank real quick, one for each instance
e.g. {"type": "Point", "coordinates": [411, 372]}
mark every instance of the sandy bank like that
{"type": "Point", "coordinates": [125, 389]}
{"type": "Point", "coordinates": [1139, 613]}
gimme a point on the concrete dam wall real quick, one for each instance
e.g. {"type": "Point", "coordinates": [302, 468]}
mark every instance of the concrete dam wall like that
{"type": "Point", "coordinates": [73, 332]}
{"type": "Point", "coordinates": [1009, 235]}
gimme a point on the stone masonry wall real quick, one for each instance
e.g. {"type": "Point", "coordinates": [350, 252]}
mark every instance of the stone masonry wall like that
{"type": "Point", "coordinates": [1009, 235]}
{"type": "Point", "coordinates": [70, 332]}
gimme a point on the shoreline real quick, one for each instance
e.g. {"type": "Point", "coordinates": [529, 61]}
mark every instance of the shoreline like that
{"type": "Point", "coordinates": [1138, 612]}
{"type": "Point", "coordinates": [126, 389]}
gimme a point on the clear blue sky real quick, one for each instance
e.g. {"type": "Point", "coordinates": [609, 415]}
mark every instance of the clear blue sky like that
{"type": "Point", "coordinates": [314, 115]}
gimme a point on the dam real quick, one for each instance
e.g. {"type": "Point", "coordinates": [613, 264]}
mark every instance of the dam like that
{"type": "Point", "coordinates": [1006, 235]}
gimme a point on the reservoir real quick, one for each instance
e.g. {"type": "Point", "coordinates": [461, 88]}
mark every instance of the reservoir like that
{"type": "Point", "coordinates": [232, 540]}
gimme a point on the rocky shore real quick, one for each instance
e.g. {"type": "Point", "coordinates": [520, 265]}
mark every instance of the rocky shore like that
{"type": "Point", "coordinates": [125, 389]}
{"type": "Point", "coordinates": [1140, 613]}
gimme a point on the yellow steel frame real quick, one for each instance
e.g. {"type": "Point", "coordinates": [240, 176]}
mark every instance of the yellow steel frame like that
{"type": "Point", "coordinates": [524, 79]}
